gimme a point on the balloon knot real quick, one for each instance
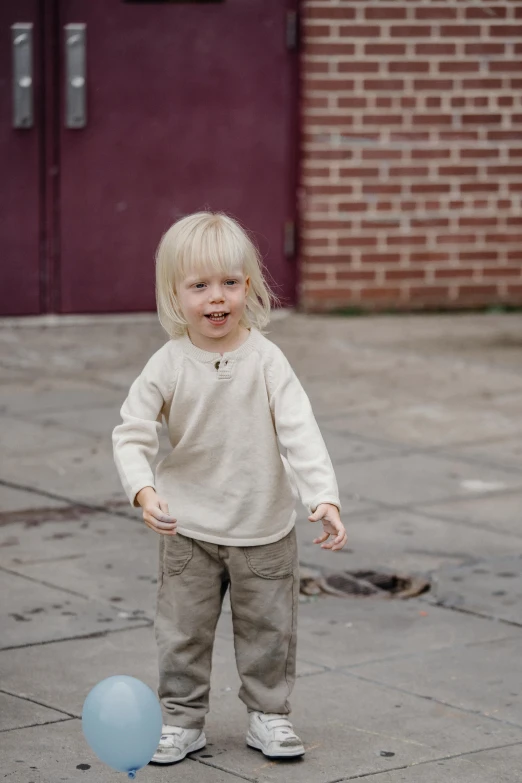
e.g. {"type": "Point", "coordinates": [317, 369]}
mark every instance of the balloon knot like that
{"type": "Point", "coordinates": [132, 774]}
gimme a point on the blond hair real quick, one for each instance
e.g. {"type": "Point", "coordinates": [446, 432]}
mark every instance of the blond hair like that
{"type": "Point", "coordinates": [201, 243]}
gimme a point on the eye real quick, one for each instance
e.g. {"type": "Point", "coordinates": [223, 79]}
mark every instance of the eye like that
{"type": "Point", "coordinates": [232, 281]}
{"type": "Point", "coordinates": [198, 284]}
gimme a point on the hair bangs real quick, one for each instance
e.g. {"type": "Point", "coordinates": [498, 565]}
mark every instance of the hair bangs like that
{"type": "Point", "coordinates": [210, 249]}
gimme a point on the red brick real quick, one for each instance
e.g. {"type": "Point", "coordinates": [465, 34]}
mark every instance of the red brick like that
{"type": "Point", "coordinates": [384, 12]}
{"type": "Point", "coordinates": [352, 103]}
{"type": "Point", "coordinates": [330, 13]}
{"type": "Point", "coordinates": [355, 274]}
{"type": "Point", "coordinates": [383, 84]}
{"type": "Point", "coordinates": [359, 172]}
{"type": "Point", "coordinates": [435, 48]}
{"type": "Point", "coordinates": [460, 30]}
{"type": "Point", "coordinates": [360, 31]}
{"type": "Point", "coordinates": [502, 271]}
{"type": "Point", "coordinates": [415, 66]}
{"type": "Point", "coordinates": [483, 48]}
{"type": "Point", "coordinates": [410, 31]}
{"type": "Point", "coordinates": [427, 292]}
{"type": "Point", "coordinates": [380, 258]}
{"type": "Point", "coordinates": [481, 84]}
{"type": "Point", "coordinates": [505, 30]}
{"type": "Point", "coordinates": [379, 293]}
{"type": "Point", "coordinates": [457, 171]}
{"type": "Point", "coordinates": [477, 222]}
{"type": "Point", "coordinates": [487, 12]}
{"type": "Point", "coordinates": [358, 66]}
{"type": "Point", "coordinates": [404, 274]}
{"type": "Point", "coordinates": [457, 66]}
{"type": "Point", "coordinates": [329, 49]}
{"type": "Point", "coordinates": [428, 258]}
{"type": "Point", "coordinates": [357, 241]}
{"type": "Point", "coordinates": [453, 272]}
{"type": "Point", "coordinates": [432, 119]}
{"type": "Point", "coordinates": [385, 49]}
{"type": "Point", "coordinates": [476, 291]}
{"type": "Point", "coordinates": [435, 13]}
{"type": "Point", "coordinates": [330, 85]}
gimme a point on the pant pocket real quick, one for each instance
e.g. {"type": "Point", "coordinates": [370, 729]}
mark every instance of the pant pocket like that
{"type": "Point", "coordinates": [273, 561]}
{"type": "Point", "coordinates": [177, 553]}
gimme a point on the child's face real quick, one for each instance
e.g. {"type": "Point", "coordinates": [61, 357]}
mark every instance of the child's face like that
{"type": "Point", "coordinates": [216, 293]}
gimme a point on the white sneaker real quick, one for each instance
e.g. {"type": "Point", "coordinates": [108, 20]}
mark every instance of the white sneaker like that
{"type": "Point", "coordinates": [176, 743]}
{"type": "Point", "coordinates": [273, 735]}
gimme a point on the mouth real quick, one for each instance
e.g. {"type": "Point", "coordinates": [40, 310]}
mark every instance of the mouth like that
{"type": "Point", "coordinates": [217, 318]}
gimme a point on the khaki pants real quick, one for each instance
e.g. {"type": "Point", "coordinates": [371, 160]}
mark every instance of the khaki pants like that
{"type": "Point", "coordinates": [264, 596]}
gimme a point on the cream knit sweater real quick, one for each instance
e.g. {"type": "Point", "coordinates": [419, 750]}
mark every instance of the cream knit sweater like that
{"type": "Point", "coordinates": [225, 480]}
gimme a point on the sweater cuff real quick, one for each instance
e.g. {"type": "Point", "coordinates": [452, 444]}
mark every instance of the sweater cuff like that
{"type": "Point", "coordinates": [332, 500]}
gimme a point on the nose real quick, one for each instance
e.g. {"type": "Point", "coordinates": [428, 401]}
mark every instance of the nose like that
{"type": "Point", "coordinates": [216, 294]}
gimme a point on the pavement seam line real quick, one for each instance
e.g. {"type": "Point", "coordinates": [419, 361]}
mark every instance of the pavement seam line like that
{"type": "Point", "coordinates": [434, 699]}
{"type": "Point", "coordinates": [37, 725]}
{"type": "Point", "coordinates": [92, 635]}
{"type": "Point", "coordinates": [428, 761]}
{"type": "Point", "coordinates": [474, 613]}
{"type": "Point", "coordinates": [407, 656]}
{"type": "Point", "coordinates": [206, 763]}
{"type": "Point", "coordinates": [69, 501]}
{"type": "Point", "coordinates": [40, 703]}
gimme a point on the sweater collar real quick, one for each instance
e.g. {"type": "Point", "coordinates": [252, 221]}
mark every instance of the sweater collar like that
{"type": "Point", "coordinates": [209, 356]}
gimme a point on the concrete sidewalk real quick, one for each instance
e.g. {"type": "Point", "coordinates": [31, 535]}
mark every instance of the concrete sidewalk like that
{"type": "Point", "coordinates": [423, 419]}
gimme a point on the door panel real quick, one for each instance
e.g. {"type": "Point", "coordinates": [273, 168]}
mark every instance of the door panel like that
{"type": "Point", "coordinates": [189, 106]}
{"type": "Point", "coordinates": [20, 201]}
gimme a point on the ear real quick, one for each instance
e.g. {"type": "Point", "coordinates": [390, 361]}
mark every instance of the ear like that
{"type": "Point", "coordinates": [247, 285]}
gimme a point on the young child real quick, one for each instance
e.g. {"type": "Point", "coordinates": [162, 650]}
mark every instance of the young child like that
{"type": "Point", "coordinates": [223, 500]}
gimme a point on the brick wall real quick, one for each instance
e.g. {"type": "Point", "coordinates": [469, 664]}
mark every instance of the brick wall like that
{"type": "Point", "coordinates": [411, 154]}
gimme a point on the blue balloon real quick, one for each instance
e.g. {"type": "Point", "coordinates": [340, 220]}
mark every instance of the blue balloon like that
{"type": "Point", "coordinates": [122, 722]}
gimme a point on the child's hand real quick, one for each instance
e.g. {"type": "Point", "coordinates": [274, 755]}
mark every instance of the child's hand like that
{"type": "Point", "coordinates": [332, 526]}
{"type": "Point", "coordinates": [156, 512]}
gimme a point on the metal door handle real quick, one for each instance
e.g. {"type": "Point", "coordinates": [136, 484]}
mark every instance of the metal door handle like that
{"type": "Point", "coordinates": [75, 79]}
{"type": "Point", "coordinates": [22, 45]}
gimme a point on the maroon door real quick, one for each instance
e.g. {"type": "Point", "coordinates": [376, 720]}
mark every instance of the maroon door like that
{"type": "Point", "coordinates": [20, 156]}
{"type": "Point", "coordinates": [189, 106]}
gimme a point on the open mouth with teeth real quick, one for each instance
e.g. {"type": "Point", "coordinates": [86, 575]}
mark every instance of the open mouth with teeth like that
{"type": "Point", "coordinates": [217, 318]}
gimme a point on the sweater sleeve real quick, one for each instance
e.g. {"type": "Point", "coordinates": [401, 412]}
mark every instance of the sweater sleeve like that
{"type": "Point", "coordinates": [136, 440]}
{"type": "Point", "coordinates": [299, 433]}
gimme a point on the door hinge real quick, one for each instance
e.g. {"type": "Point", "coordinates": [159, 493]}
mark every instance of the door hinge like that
{"type": "Point", "coordinates": [292, 30]}
{"type": "Point", "coordinates": [289, 238]}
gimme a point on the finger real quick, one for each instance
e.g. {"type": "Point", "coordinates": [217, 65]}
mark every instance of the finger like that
{"type": "Point", "coordinates": [164, 506]}
{"type": "Point", "coordinates": [170, 532]}
{"type": "Point", "coordinates": [321, 538]}
{"type": "Point", "coordinates": [158, 525]}
{"type": "Point", "coordinates": [341, 544]}
{"type": "Point", "coordinates": [160, 515]}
